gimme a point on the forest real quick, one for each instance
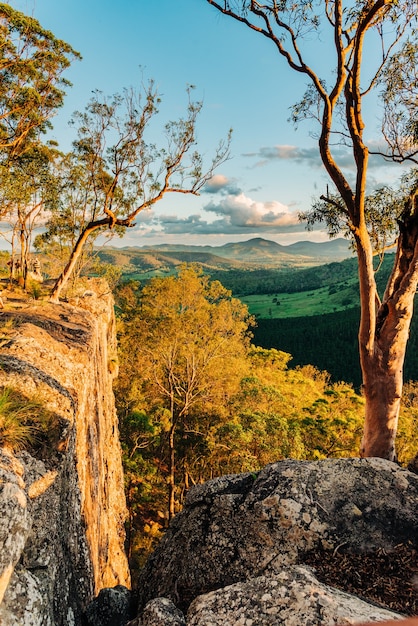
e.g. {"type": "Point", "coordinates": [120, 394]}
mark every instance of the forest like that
{"type": "Point", "coordinates": [199, 396]}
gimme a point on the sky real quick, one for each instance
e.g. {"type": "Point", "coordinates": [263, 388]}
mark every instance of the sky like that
{"type": "Point", "coordinates": [274, 171]}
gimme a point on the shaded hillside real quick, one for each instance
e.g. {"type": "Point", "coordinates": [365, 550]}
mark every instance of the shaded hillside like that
{"type": "Point", "coordinates": [253, 255]}
{"type": "Point", "coordinates": [264, 251]}
{"type": "Point", "coordinates": [329, 342]}
{"type": "Point", "coordinates": [293, 280]}
{"type": "Point", "coordinates": [286, 280]}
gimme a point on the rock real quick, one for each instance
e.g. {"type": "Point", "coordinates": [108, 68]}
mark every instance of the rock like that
{"type": "Point", "coordinates": [112, 607]}
{"type": "Point", "coordinates": [162, 612]}
{"type": "Point", "coordinates": [28, 601]}
{"type": "Point", "coordinates": [291, 597]}
{"type": "Point", "coordinates": [15, 518]}
{"type": "Point", "coordinates": [62, 514]}
{"type": "Point", "coordinates": [235, 528]}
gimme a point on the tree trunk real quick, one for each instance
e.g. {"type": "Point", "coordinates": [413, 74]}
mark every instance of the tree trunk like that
{"type": "Point", "coordinates": [383, 335]}
{"type": "Point", "coordinates": [382, 386]}
{"type": "Point", "coordinates": [171, 474]}
{"type": "Point", "coordinates": [75, 255]}
{"type": "Point", "coordinates": [23, 258]}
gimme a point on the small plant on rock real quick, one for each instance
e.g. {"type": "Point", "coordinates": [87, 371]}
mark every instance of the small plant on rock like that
{"type": "Point", "coordinates": [21, 420]}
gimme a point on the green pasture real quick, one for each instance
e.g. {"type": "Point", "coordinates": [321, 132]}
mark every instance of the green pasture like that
{"type": "Point", "coordinates": [160, 272]}
{"type": "Point", "coordinates": [305, 303]}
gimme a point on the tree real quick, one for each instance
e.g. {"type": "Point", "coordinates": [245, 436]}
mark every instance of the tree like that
{"type": "Point", "coordinates": [122, 173]}
{"type": "Point", "coordinates": [68, 217]}
{"type": "Point", "coordinates": [337, 104]}
{"type": "Point", "coordinates": [188, 340]}
{"type": "Point", "coordinates": [27, 192]}
{"type": "Point", "coordinates": [32, 62]}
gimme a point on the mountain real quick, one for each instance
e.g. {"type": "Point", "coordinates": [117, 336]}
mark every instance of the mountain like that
{"type": "Point", "coordinates": [338, 248]}
{"type": "Point", "coordinates": [255, 253]}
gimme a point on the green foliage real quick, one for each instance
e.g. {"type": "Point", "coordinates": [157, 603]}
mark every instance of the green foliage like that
{"type": "Point", "coordinates": [34, 289]}
{"type": "Point", "coordinates": [117, 171]}
{"type": "Point", "coordinates": [251, 409]}
{"type": "Point", "coordinates": [32, 61]}
{"type": "Point", "coordinates": [28, 188]}
{"type": "Point", "coordinates": [407, 438]}
{"type": "Point", "coordinates": [335, 101]}
{"type": "Point", "coordinates": [274, 406]}
{"type": "Point", "coordinates": [329, 342]}
{"type": "Point", "coordinates": [107, 271]}
{"type": "Point", "coordinates": [188, 329]}
{"type": "Point", "coordinates": [400, 87]}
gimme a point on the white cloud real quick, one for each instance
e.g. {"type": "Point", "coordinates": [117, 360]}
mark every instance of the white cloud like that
{"type": "Point", "coordinates": [232, 215]}
{"type": "Point", "coordinates": [221, 184]}
{"type": "Point", "coordinates": [226, 215]}
{"type": "Point", "coordinates": [240, 211]}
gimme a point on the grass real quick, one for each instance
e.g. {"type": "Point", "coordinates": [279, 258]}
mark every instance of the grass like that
{"type": "Point", "coordinates": [23, 421]}
{"type": "Point", "coordinates": [325, 300]}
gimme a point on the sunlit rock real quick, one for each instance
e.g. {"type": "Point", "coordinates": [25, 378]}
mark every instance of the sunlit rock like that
{"type": "Point", "coordinates": [62, 514]}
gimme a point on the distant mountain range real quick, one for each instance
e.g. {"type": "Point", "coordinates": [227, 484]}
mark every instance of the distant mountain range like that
{"type": "Point", "coordinates": [251, 254]}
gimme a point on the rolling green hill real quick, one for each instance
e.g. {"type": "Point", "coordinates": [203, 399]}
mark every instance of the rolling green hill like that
{"type": "Point", "coordinates": [310, 311]}
{"type": "Point", "coordinates": [251, 256]}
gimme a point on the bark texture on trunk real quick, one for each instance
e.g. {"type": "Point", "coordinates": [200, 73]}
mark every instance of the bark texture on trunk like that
{"type": "Point", "coordinates": [383, 339]}
{"type": "Point", "coordinates": [383, 380]}
{"type": "Point", "coordinates": [63, 279]}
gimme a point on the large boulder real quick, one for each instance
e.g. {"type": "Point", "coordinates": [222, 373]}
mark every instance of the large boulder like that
{"type": "Point", "coordinates": [235, 529]}
{"type": "Point", "coordinates": [291, 596]}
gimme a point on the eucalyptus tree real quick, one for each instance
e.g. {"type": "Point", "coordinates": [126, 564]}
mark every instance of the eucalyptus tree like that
{"type": "Point", "coordinates": [28, 193]}
{"type": "Point", "coordinates": [187, 343]}
{"type": "Point", "coordinates": [335, 99]}
{"type": "Point", "coordinates": [32, 63]}
{"type": "Point", "coordinates": [67, 217]}
{"type": "Point", "coordinates": [123, 172]}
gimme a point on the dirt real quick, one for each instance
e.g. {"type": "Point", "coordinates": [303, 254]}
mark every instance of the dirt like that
{"type": "Point", "coordinates": [389, 579]}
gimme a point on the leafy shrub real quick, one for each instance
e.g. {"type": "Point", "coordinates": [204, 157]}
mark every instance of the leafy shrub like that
{"type": "Point", "coordinates": [34, 289]}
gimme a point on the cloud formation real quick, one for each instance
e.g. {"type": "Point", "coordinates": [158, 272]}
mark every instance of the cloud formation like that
{"type": "Point", "coordinates": [233, 215]}
{"type": "Point", "coordinates": [242, 212]}
{"type": "Point", "coordinates": [221, 184]}
{"type": "Point", "coordinates": [286, 153]}
{"type": "Point", "coordinates": [310, 156]}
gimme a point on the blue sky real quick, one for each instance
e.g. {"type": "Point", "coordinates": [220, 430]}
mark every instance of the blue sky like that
{"type": "Point", "coordinates": [274, 171]}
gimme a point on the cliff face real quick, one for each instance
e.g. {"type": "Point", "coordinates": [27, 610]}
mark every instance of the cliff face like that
{"type": "Point", "coordinates": [62, 513]}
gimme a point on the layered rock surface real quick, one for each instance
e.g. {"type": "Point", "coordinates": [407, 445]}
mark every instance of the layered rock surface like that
{"type": "Point", "coordinates": [62, 516]}
{"type": "Point", "coordinates": [235, 554]}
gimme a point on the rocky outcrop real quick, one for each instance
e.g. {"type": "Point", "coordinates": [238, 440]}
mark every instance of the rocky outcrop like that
{"type": "Point", "coordinates": [291, 596]}
{"type": "Point", "coordinates": [236, 553]}
{"type": "Point", "coordinates": [62, 514]}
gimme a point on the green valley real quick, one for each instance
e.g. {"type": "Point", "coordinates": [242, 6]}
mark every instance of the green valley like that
{"type": "Point", "coordinates": [309, 311]}
{"type": "Point", "coordinates": [329, 299]}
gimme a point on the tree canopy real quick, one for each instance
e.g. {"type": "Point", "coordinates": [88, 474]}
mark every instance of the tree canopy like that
{"type": "Point", "coordinates": [32, 85]}
{"type": "Point", "coordinates": [247, 409]}
{"type": "Point", "coordinates": [188, 340]}
{"type": "Point", "coordinates": [117, 169]}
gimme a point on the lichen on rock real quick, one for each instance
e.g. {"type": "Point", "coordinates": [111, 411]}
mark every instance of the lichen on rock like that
{"type": "Point", "coordinates": [237, 529]}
